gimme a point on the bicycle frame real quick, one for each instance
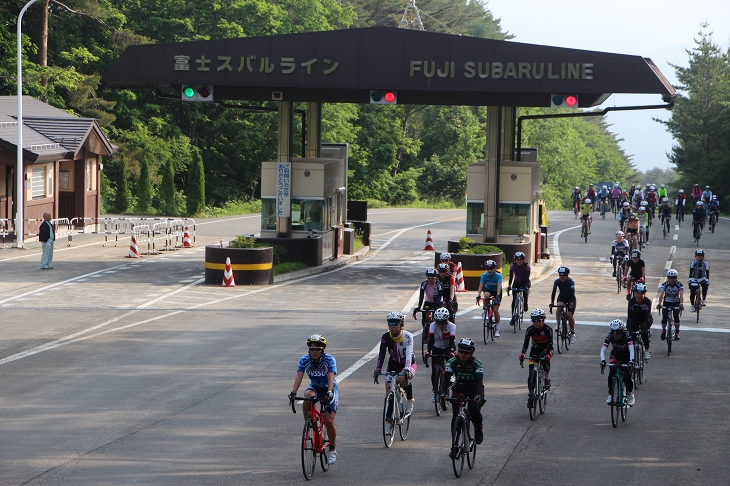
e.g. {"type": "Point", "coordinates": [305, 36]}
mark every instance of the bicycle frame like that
{"type": "Point", "coordinates": [536, 386]}
{"type": "Point", "coordinates": [438, 362]}
{"type": "Point", "coordinates": [396, 416]}
{"type": "Point", "coordinates": [319, 443]}
{"type": "Point", "coordinates": [670, 334]}
{"type": "Point", "coordinates": [619, 404]}
{"type": "Point", "coordinates": [518, 307]}
{"type": "Point", "coordinates": [562, 336]}
{"type": "Point", "coordinates": [426, 319]}
{"type": "Point", "coordinates": [460, 434]}
{"type": "Point", "coordinates": [488, 319]}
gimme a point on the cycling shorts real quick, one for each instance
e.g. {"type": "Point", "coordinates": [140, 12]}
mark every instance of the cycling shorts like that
{"type": "Point", "coordinates": [632, 231]}
{"type": "Point", "coordinates": [321, 392]}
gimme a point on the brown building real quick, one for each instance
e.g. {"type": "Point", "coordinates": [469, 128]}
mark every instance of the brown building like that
{"type": "Point", "coordinates": [61, 162]}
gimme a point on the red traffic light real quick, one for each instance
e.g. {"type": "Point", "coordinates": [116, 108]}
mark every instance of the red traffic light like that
{"type": "Point", "coordinates": [383, 97]}
{"type": "Point", "coordinates": [563, 101]}
{"type": "Point", "coordinates": [389, 96]}
{"type": "Point", "coordinates": [571, 100]}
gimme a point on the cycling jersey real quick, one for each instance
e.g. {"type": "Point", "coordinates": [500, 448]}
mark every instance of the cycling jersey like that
{"type": "Point", "coordinates": [625, 213]}
{"type": "Point", "coordinates": [542, 340]}
{"type": "Point", "coordinates": [635, 269]}
{"type": "Point", "coordinates": [662, 193]}
{"type": "Point", "coordinates": [446, 283]}
{"type": "Point", "coordinates": [699, 270]}
{"type": "Point", "coordinates": [639, 314]}
{"type": "Point", "coordinates": [441, 340]}
{"type": "Point", "coordinates": [623, 347]}
{"type": "Point", "coordinates": [466, 373]}
{"type": "Point", "coordinates": [432, 293]}
{"type": "Point", "coordinates": [651, 197]}
{"type": "Point", "coordinates": [602, 194]}
{"type": "Point", "coordinates": [567, 290]}
{"type": "Point", "coordinates": [643, 219]}
{"type": "Point", "coordinates": [632, 225]}
{"type": "Point", "coordinates": [491, 282]}
{"type": "Point", "coordinates": [713, 206]}
{"type": "Point", "coordinates": [665, 212]}
{"type": "Point", "coordinates": [576, 196]}
{"type": "Point", "coordinates": [619, 249]}
{"type": "Point", "coordinates": [696, 193]}
{"type": "Point", "coordinates": [671, 293]}
{"type": "Point", "coordinates": [401, 351]}
{"type": "Point", "coordinates": [698, 215]}
{"type": "Point", "coordinates": [616, 193]}
{"type": "Point", "coordinates": [520, 274]}
{"type": "Point", "coordinates": [681, 199]}
{"type": "Point", "coordinates": [317, 371]}
{"type": "Point", "coordinates": [585, 210]}
{"type": "Point", "coordinates": [707, 196]}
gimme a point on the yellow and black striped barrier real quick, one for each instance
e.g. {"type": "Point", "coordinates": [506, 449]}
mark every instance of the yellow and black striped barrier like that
{"type": "Point", "coordinates": [251, 266]}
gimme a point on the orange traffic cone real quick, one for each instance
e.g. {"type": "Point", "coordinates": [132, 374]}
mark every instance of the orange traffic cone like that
{"type": "Point", "coordinates": [460, 279]}
{"type": "Point", "coordinates": [133, 250]}
{"type": "Point", "coordinates": [429, 242]}
{"type": "Point", "coordinates": [187, 242]}
{"type": "Point", "coordinates": [228, 275]}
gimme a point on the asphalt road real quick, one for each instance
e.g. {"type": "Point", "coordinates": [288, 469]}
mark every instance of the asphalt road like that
{"type": "Point", "coordinates": [119, 372]}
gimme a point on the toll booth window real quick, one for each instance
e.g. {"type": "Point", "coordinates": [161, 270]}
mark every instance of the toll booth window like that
{"type": "Point", "coordinates": [513, 219]}
{"type": "Point", "coordinates": [307, 214]}
{"type": "Point", "coordinates": [268, 213]}
{"type": "Point", "coordinates": [475, 217]}
{"type": "Point", "coordinates": [38, 182]}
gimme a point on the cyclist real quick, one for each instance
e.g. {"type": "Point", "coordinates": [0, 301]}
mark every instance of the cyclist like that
{"type": "Point", "coordinates": [662, 192]}
{"type": "Point", "coordinates": [519, 278]}
{"type": "Point", "coordinates": [602, 199]}
{"type": "Point", "coordinates": [622, 352]}
{"type": "Point", "coordinates": [585, 213]}
{"type": "Point", "coordinates": [671, 293]}
{"type": "Point", "coordinates": [430, 294]}
{"type": "Point", "coordinates": [646, 191]}
{"type": "Point", "coordinates": [632, 230]}
{"type": "Point", "coordinates": [643, 218]}
{"type": "Point", "coordinates": [714, 208]}
{"type": "Point", "coordinates": [619, 251]}
{"type": "Point", "coordinates": [696, 193]}
{"type": "Point", "coordinates": [665, 212]}
{"type": "Point", "coordinates": [591, 193]}
{"type": "Point", "coordinates": [445, 257]}
{"type": "Point", "coordinates": [616, 194]}
{"type": "Point", "coordinates": [321, 369]}
{"type": "Point", "coordinates": [576, 196]}
{"type": "Point", "coordinates": [441, 341]}
{"type": "Point", "coordinates": [639, 316]}
{"type": "Point", "coordinates": [636, 200]}
{"type": "Point", "coordinates": [636, 270]}
{"type": "Point", "coordinates": [625, 213]}
{"type": "Point", "coordinates": [566, 297]}
{"type": "Point", "coordinates": [491, 284]}
{"type": "Point", "coordinates": [542, 347]}
{"type": "Point", "coordinates": [681, 202]}
{"type": "Point", "coordinates": [699, 276]}
{"type": "Point", "coordinates": [448, 283]}
{"type": "Point", "coordinates": [698, 220]}
{"type": "Point", "coordinates": [707, 195]}
{"type": "Point", "coordinates": [399, 344]}
{"type": "Point", "coordinates": [651, 199]}
{"type": "Point", "coordinates": [468, 373]}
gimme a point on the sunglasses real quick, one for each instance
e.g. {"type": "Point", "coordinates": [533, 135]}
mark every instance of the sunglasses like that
{"type": "Point", "coordinates": [393, 324]}
{"type": "Point", "coordinates": [520, 258]}
{"type": "Point", "coordinates": [538, 320]}
{"type": "Point", "coordinates": [461, 351]}
{"type": "Point", "coordinates": [316, 349]}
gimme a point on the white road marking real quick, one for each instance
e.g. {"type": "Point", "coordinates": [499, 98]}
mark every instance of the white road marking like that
{"type": "Point", "coordinates": [675, 237]}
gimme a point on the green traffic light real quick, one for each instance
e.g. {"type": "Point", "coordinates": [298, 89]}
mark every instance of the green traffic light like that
{"type": "Point", "coordinates": [189, 92]}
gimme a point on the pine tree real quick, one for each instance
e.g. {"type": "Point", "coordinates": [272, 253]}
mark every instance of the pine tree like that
{"type": "Point", "coordinates": [144, 187]}
{"type": "Point", "coordinates": [122, 196]}
{"type": "Point", "coordinates": [196, 184]}
{"type": "Point", "coordinates": [167, 189]}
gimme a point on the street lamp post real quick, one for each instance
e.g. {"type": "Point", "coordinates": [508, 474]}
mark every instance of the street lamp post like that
{"type": "Point", "coordinates": [19, 178]}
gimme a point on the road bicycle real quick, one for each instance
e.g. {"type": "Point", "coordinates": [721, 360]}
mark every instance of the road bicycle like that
{"type": "Point", "coordinates": [488, 318]}
{"type": "Point", "coordinates": [639, 359]}
{"type": "Point", "coordinates": [314, 437]}
{"type": "Point", "coordinates": [537, 397]}
{"type": "Point", "coordinates": [576, 208]}
{"type": "Point", "coordinates": [518, 308]}
{"type": "Point", "coordinates": [619, 398]}
{"type": "Point", "coordinates": [698, 301]}
{"type": "Point", "coordinates": [630, 283]}
{"type": "Point", "coordinates": [697, 231]}
{"type": "Point", "coordinates": [680, 215]}
{"type": "Point", "coordinates": [463, 444]}
{"type": "Point", "coordinates": [665, 225]}
{"type": "Point", "coordinates": [620, 274]}
{"type": "Point", "coordinates": [713, 221]}
{"type": "Point", "coordinates": [603, 207]}
{"type": "Point", "coordinates": [615, 205]}
{"type": "Point", "coordinates": [669, 329]}
{"type": "Point", "coordinates": [426, 320]}
{"type": "Point", "coordinates": [393, 410]}
{"type": "Point", "coordinates": [584, 228]}
{"type": "Point", "coordinates": [562, 334]}
{"type": "Point", "coordinates": [438, 362]}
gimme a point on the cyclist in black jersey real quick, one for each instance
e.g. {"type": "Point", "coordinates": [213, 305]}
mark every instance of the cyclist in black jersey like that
{"type": "Point", "coordinates": [398, 343]}
{"type": "Point", "coordinates": [566, 297]}
{"type": "Point", "coordinates": [468, 373]}
{"type": "Point", "coordinates": [699, 276]}
{"type": "Point", "coordinates": [448, 284]}
{"type": "Point", "coordinates": [430, 293]}
{"type": "Point", "coordinates": [542, 347]}
{"type": "Point", "coordinates": [639, 317]}
{"type": "Point", "coordinates": [622, 352]}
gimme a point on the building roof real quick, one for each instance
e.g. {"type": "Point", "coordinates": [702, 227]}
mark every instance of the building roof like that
{"type": "Point", "coordinates": [49, 133]}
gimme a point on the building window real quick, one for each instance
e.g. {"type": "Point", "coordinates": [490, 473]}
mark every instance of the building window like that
{"type": "Point", "coordinates": [268, 213]}
{"type": "Point", "coordinates": [38, 182]}
{"type": "Point", "coordinates": [514, 219]}
{"type": "Point", "coordinates": [475, 217]}
{"type": "Point", "coordinates": [307, 214]}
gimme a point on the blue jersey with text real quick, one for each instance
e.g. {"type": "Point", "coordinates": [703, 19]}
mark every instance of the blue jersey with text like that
{"type": "Point", "coordinates": [491, 281]}
{"type": "Point", "coordinates": [317, 372]}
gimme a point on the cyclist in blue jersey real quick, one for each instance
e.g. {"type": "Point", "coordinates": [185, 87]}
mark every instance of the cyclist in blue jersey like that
{"type": "Point", "coordinates": [566, 297]}
{"type": "Point", "coordinates": [321, 369]}
{"type": "Point", "coordinates": [491, 284]}
{"type": "Point", "coordinates": [707, 195]}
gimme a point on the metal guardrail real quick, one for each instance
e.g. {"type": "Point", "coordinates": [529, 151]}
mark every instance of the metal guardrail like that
{"type": "Point", "coordinates": [4, 230]}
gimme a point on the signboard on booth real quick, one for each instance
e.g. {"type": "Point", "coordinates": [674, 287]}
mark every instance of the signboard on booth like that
{"type": "Point", "coordinates": [283, 189]}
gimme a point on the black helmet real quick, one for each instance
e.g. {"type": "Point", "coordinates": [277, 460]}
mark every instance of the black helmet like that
{"type": "Point", "coordinates": [466, 344]}
{"type": "Point", "coordinates": [563, 271]}
{"type": "Point", "coordinates": [430, 272]}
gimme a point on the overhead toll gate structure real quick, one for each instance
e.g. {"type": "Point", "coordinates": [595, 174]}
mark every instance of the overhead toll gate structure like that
{"type": "Point", "coordinates": [417, 67]}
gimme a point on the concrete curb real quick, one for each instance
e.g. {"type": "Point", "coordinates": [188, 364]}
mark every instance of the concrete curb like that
{"type": "Point", "coordinates": [327, 266]}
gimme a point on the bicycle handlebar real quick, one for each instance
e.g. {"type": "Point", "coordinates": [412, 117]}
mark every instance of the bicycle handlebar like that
{"type": "Point", "coordinates": [304, 399]}
{"type": "Point", "coordinates": [460, 399]}
{"type": "Point", "coordinates": [391, 373]}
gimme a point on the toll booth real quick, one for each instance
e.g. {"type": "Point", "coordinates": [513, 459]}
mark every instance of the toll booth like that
{"type": "Point", "coordinates": [519, 200]}
{"type": "Point", "coordinates": [317, 200]}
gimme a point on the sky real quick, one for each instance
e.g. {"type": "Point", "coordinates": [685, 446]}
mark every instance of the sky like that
{"type": "Point", "coordinates": [660, 30]}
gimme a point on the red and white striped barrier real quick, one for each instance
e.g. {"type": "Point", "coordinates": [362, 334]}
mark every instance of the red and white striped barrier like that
{"type": "Point", "coordinates": [429, 242]}
{"type": "Point", "coordinates": [460, 279]}
{"type": "Point", "coordinates": [133, 250]}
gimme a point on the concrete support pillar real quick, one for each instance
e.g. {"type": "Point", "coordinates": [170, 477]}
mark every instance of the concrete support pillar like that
{"type": "Point", "coordinates": [314, 129]}
{"type": "Point", "coordinates": [284, 152]}
{"type": "Point", "coordinates": [500, 145]}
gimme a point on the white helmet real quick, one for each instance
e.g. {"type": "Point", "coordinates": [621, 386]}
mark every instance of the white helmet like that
{"type": "Point", "coordinates": [665, 200]}
{"type": "Point", "coordinates": [625, 204]}
{"type": "Point", "coordinates": [617, 325]}
{"type": "Point", "coordinates": [604, 187]}
{"type": "Point", "coordinates": [672, 273]}
{"type": "Point", "coordinates": [644, 203]}
{"type": "Point", "coordinates": [396, 316]}
{"type": "Point", "coordinates": [441, 314]}
{"type": "Point", "coordinates": [587, 201]}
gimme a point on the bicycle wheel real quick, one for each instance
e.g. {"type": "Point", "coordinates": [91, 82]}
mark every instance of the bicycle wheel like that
{"type": "Point", "coordinates": [388, 438]}
{"type": "Point", "coordinates": [437, 377]}
{"type": "Point", "coordinates": [471, 454]}
{"type": "Point", "coordinates": [485, 325]}
{"type": "Point", "coordinates": [566, 334]}
{"type": "Point", "coordinates": [404, 423]}
{"type": "Point", "coordinates": [309, 454]}
{"type": "Point", "coordinates": [712, 223]}
{"type": "Point", "coordinates": [533, 393]}
{"type": "Point", "coordinates": [670, 334]}
{"type": "Point", "coordinates": [558, 341]}
{"type": "Point", "coordinates": [491, 328]}
{"type": "Point", "coordinates": [520, 317]}
{"type": "Point", "coordinates": [458, 440]}
{"type": "Point", "coordinates": [624, 402]}
{"type": "Point", "coordinates": [619, 277]}
{"type": "Point", "coordinates": [635, 371]}
{"type": "Point", "coordinates": [517, 312]}
{"type": "Point", "coordinates": [615, 403]}
{"type": "Point", "coordinates": [424, 340]}
{"type": "Point", "coordinates": [540, 393]}
{"type": "Point", "coordinates": [698, 302]}
{"type": "Point", "coordinates": [324, 461]}
{"type": "Point", "coordinates": [585, 233]}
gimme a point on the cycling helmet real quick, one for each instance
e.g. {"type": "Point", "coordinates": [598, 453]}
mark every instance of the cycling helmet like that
{"type": "Point", "coordinates": [446, 256]}
{"type": "Point", "coordinates": [636, 192]}
{"type": "Point", "coordinates": [430, 272]}
{"type": "Point", "coordinates": [640, 287]}
{"type": "Point", "coordinates": [316, 340]}
{"type": "Point", "coordinates": [707, 187]}
{"type": "Point", "coordinates": [625, 204]}
{"type": "Point", "coordinates": [443, 267]}
{"type": "Point", "coordinates": [662, 186]}
{"type": "Point", "coordinates": [632, 216]}
{"type": "Point", "coordinates": [466, 344]}
{"type": "Point", "coordinates": [590, 184]}
{"type": "Point", "coordinates": [587, 201]}
{"type": "Point", "coordinates": [537, 314]}
{"type": "Point", "coordinates": [672, 273]}
{"type": "Point", "coordinates": [619, 233]}
{"type": "Point", "coordinates": [697, 185]}
{"type": "Point", "coordinates": [604, 187]}
{"type": "Point", "coordinates": [665, 200]}
{"type": "Point", "coordinates": [396, 317]}
{"type": "Point", "coordinates": [519, 254]}
{"type": "Point", "coordinates": [617, 325]}
{"type": "Point", "coordinates": [563, 271]}
{"type": "Point", "coordinates": [644, 203]}
{"type": "Point", "coordinates": [642, 209]}
{"type": "Point", "coordinates": [714, 197]}
{"type": "Point", "coordinates": [700, 203]}
{"type": "Point", "coordinates": [635, 254]}
{"type": "Point", "coordinates": [699, 251]}
{"type": "Point", "coordinates": [576, 188]}
{"type": "Point", "coordinates": [681, 191]}
{"type": "Point", "coordinates": [652, 188]}
{"type": "Point", "coordinates": [490, 264]}
{"type": "Point", "coordinates": [441, 314]}
{"type": "Point", "coordinates": [647, 184]}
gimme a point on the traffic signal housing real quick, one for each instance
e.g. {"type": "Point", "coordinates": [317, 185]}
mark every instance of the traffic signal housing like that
{"type": "Point", "coordinates": [197, 92]}
{"type": "Point", "coordinates": [563, 101]}
{"type": "Point", "coordinates": [383, 97]}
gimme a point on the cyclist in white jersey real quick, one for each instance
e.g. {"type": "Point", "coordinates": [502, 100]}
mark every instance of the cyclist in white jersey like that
{"type": "Point", "coordinates": [699, 276]}
{"type": "Point", "coordinates": [441, 340]}
{"type": "Point", "coordinates": [671, 294]}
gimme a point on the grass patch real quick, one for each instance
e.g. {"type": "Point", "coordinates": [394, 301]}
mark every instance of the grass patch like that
{"type": "Point", "coordinates": [233, 208]}
{"type": "Point", "coordinates": [287, 267]}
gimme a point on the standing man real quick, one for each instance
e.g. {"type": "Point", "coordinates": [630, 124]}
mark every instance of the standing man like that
{"type": "Point", "coordinates": [47, 236]}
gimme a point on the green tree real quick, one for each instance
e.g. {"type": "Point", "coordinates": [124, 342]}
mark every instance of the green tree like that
{"type": "Point", "coordinates": [121, 199]}
{"type": "Point", "coordinates": [144, 187]}
{"type": "Point", "coordinates": [196, 184]}
{"type": "Point", "coordinates": [167, 191]}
